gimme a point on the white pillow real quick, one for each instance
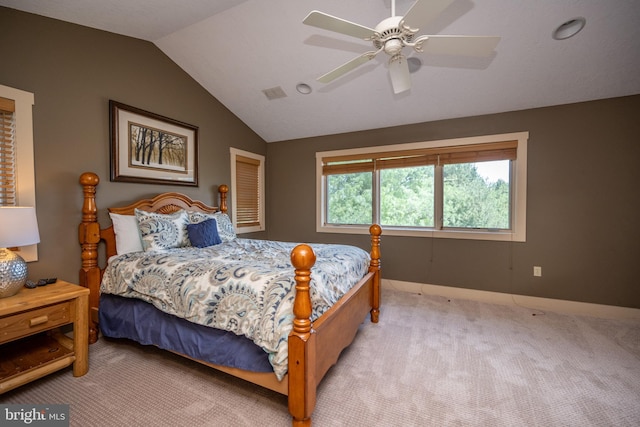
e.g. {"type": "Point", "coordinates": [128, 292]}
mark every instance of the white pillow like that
{"type": "Point", "coordinates": [125, 227]}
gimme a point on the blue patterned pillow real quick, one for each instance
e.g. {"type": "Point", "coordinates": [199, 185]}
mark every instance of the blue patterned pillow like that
{"type": "Point", "coordinates": [204, 234]}
{"type": "Point", "coordinates": [225, 228]}
{"type": "Point", "coordinates": [161, 232]}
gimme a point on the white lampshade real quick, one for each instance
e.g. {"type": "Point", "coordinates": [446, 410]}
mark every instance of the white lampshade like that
{"type": "Point", "coordinates": [18, 226]}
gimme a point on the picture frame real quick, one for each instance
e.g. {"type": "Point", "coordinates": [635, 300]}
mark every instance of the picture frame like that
{"type": "Point", "coordinates": [150, 148]}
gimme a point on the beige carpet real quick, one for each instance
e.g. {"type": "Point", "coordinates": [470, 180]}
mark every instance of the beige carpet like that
{"type": "Point", "coordinates": [429, 362]}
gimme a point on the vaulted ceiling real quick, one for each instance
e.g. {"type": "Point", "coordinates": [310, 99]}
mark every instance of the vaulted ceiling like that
{"type": "Point", "coordinates": [237, 49]}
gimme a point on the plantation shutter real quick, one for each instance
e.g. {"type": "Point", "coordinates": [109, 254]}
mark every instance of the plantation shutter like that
{"type": "Point", "coordinates": [247, 191]}
{"type": "Point", "coordinates": [503, 150]}
{"type": "Point", "coordinates": [7, 153]}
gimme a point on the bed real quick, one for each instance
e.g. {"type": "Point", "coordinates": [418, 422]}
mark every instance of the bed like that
{"type": "Point", "coordinates": [314, 324]}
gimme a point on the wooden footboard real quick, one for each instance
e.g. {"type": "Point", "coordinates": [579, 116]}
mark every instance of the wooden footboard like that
{"type": "Point", "coordinates": [313, 347]}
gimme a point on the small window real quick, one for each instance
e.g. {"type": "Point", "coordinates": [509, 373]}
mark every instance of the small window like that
{"type": "Point", "coordinates": [8, 148]}
{"type": "Point", "coordinates": [247, 191]}
{"type": "Point", "coordinates": [349, 196]}
{"type": "Point", "coordinates": [477, 195]}
{"type": "Point", "coordinates": [407, 196]}
{"type": "Point", "coordinates": [471, 188]}
{"type": "Point", "coordinates": [17, 172]}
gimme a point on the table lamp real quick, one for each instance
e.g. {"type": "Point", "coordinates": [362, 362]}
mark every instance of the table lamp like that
{"type": "Point", "coordinates": [18, 227]}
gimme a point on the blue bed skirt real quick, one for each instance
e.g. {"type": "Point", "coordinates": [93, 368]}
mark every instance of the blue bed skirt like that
{"type": "Point", "coordinates": [141, 322]}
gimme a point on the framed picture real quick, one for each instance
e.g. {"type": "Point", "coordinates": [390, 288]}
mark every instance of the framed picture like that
{"type": "Point", "coordinates": [149, 148]}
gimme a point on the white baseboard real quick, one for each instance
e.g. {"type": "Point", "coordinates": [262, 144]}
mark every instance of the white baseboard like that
{"type": "Point", "coordinates": [534, 303]}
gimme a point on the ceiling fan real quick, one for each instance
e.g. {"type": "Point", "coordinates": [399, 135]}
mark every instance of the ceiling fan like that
{"type": "Point", "coordinates": [397, 32]}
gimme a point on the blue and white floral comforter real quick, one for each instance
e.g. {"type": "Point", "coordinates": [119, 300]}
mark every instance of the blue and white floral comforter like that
{"type": "Point", "coordinates": [245, 286]}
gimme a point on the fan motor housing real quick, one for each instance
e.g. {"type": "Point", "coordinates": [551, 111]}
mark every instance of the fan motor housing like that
{"type": "Point", "coordinates": [391, 36]}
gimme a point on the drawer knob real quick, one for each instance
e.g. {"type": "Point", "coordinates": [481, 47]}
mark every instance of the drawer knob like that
{"type": "Point", "coordinates": [38, 320]}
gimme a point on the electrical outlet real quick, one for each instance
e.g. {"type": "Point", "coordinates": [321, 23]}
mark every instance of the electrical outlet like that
{"type": "Point", "coordinates": [537, 271]}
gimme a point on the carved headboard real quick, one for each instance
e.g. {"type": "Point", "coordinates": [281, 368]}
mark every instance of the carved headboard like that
{"type": "Point", "coordinates": [91, 234]}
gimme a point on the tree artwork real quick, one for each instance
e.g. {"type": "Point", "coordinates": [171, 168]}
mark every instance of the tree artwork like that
{"type": "Point", "coordinates": [155, 148]}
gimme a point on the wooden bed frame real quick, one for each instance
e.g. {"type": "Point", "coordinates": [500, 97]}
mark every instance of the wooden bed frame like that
{"type": "Point", "coordinates": [313, 346]}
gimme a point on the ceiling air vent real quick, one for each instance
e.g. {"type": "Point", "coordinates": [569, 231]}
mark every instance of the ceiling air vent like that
{"type": "Point", "coordinates": [274, 93]}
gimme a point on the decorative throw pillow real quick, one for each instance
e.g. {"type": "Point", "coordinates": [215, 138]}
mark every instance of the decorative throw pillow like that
{"type": "Point", "coordinates": [204, 234]}
{"type": "Point", "coordinates": [196, 217]}
{"type": "Point", "coordinates": [161, 232]}
{"type": "Point", "coordinates": [225, 227]}
{"type": "Point", "coordinates": [125, 227]}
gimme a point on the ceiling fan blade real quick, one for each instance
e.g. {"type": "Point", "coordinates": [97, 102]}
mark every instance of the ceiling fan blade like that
{"type": "Point", "coordinates": [399, 73]}
{"type": "Point", "coordinates": [458, 45]}
{"type": "Point", "coordinates": [348, 66]}
{"type": "Point", "coordinates": [338, 25]}
{"type": "Point", "coordinates": [424, 11]}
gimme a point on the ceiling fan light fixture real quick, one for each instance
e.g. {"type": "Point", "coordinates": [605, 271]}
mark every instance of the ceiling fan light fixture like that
{"type": "Point", "coordinates": [393, 47]}
{"type": "Point", "coordinates": [569, 28]}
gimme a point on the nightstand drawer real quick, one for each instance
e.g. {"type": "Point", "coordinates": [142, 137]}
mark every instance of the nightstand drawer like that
{"type": "Point", "coordinates": [30, 322]}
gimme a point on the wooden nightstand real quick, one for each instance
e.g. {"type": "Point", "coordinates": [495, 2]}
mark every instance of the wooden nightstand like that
{"type": "Point", "coordinates": [31, 346]}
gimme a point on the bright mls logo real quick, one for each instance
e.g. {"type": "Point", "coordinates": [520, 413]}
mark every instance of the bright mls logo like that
{"type": "Point", "coordinates": [34, 415]}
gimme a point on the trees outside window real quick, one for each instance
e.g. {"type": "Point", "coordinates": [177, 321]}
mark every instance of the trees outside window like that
{"type": "Point", "coordinates": [467, 188]}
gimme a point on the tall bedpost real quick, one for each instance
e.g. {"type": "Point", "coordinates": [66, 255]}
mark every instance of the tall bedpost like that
{"type": "Point", "coordinates": [89, 237]}
{"type": "Point", "coordinates": [374, 266]}
{"type": "Point", "coordinates": [302, 381]}
{"type": "Point", "coordinates": [223, 190]}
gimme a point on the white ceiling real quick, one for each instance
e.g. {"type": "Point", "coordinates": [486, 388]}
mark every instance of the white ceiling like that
{"type": "Point", "coordinates": [237, 48]}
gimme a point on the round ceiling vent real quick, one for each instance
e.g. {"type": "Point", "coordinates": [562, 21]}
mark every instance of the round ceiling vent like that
{"type": "Point", "coordinates": [569, 28]}
{"type": "Point", "coordinates": [414, 64]}
{"type": "Point", "coordinates": [303, 88]}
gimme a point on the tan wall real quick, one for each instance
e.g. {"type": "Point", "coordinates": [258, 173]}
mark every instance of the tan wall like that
{"type": "Point", "coordinates": [582, 213]}
{"type": "Point", "coordinates": [73, 72]}
{"type": "Point", "coordinates": [583, 205]}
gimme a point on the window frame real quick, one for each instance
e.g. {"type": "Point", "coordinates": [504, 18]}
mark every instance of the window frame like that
{"type": "Point", "coordinates": [25, 167]}
{"type": "Point", "coordinates": [518, 184]}
{"type": "Point", "coordinates": [235, 153]}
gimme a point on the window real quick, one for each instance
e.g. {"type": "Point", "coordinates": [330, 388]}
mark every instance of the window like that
{"type": "Point", "coordinates": [247, 191]}
{"type": "Point", "coordinates": [17, 173]}
{"type": "Point", "coordinates": [472, 188]}
{"type": "Point", "coordinates": [7, 152]}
